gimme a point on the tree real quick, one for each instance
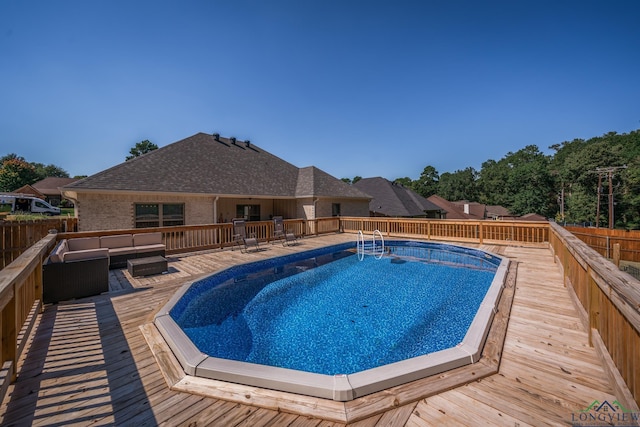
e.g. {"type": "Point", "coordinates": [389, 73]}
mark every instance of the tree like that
{"type": "Point", "coordinates": [16, 172]}
{"type": "Point", "coordinates": [427, 184]}
{"type": "Point", "coordinates": [460, 185]}
{"type": "Point", "coordinates": [347, 180]}
{"type": "Point", "coordinates": [142, 147]}
{"type": "Point", "coordinates": [49, 170]}
{"type": "Point", "coordinates": [406, 182]}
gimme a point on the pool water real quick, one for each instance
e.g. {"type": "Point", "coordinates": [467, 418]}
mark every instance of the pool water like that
{"type": "Point", "coordinates": [333, 314]}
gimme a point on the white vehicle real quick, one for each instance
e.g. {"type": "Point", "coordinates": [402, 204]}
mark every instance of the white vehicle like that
{"type": "Point", "coordinates": [26, 203]}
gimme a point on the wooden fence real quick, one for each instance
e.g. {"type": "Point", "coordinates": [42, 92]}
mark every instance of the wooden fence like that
{"type": "Point", "coordinates": [18, 236]}
{"type": "Point", "coordinates": [602, 240]}
{"type": "Point", "coordinates": [610, 301]}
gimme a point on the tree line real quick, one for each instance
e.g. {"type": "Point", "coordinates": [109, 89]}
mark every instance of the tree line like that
{"type": "Point", "coordinates": [581, 179]}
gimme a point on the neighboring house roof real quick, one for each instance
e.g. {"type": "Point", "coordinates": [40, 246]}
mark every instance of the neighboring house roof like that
{"type": "Point", "coordinates": [208, 164]}
{"type": "Point", "coordinates": [28, 189]}
{"type": "Point", "coordinates": [497, 211]}
{"type": "Point", "coordinates": [50, 186]}
{"type": "Point", "coordinates": [392, 199]}
{"type": "Point", "coordinates": [532, 217]}
{"type": "Point", "coordinates": [474, 209]}
{"type": "Point", "coordinates": [452, 210]}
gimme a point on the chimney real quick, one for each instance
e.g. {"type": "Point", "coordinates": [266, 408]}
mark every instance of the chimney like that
{"type": "Point", "coordinates": [466, 208]}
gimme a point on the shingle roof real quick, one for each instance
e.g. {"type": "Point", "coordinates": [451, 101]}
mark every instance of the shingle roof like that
{"type": "Point", "coordinates": [453, 211]}
{"type": "Point", "coordinates": [476, 210]}
{"type": "Point", "coordinates": [204, 164]}
{"type": "Point", "coordinates": [51, 185]}
{"type": "Point", "coordinates": [393, 199]}
{"type": "Point", "coordinates": [315, 182]}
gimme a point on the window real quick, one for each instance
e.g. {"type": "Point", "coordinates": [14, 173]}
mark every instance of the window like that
{"type": "Point", "coordinates": [335, 209]}
{"type": "Point", "coordinates": [158, 214]}
{"type": "Point", "coordinates": [248, 212]}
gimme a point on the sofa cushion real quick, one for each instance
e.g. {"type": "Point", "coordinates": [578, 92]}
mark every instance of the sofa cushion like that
{"type": "Point", "coordinates": [58, 251]}
{"type": "Point", "coordinates": [85, 254]}
{"type": "Point", "coordinates": [150, 248]}
{"type": "Point", "coordinates": [145, 239]}
{"type": "Point", "coordinates": [118, 241]}
{"type": "Point", "coordinates": [122, 251]}
{"type": "Point", "coordinates": [83, 243]}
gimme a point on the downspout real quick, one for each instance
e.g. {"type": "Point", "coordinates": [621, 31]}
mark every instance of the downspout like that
{"type": "Point", "coordinates": [217, 233]}
{"type": "Point", "coordinates": [315, 216]}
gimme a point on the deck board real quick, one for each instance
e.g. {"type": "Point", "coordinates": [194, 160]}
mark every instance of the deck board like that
{"type": "Point", "coordinates": [89, 362]}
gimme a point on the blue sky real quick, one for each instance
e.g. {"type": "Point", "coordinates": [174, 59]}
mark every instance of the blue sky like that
{"type": "Point", "coordinates": [368, 88]}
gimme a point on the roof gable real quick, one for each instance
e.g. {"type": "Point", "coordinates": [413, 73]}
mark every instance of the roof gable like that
{"type": "Point", "coordinates": [315, 182]}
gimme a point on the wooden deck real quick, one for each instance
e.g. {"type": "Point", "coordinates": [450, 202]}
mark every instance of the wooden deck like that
{"type": "Point", "coordinates": [88, 362]}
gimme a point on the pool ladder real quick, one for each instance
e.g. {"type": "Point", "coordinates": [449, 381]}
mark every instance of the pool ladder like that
{"type": "Point", "coordinates": [375, 247]}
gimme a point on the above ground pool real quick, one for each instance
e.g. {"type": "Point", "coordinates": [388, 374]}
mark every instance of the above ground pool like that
{"type": "Point", "coordinates": [335, 322]}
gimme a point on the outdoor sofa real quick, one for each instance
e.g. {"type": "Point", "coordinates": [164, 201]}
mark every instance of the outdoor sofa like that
{"type": "Point", "coordinates": [79, 267]}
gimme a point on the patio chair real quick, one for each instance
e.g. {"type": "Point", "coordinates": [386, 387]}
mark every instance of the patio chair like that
{"type": "Point", "coordinates": [279, 233]}
{"type": "Point", "coordinates": [290, 239]}
{"type": "Point", "coordinates": [241, 239]}
{"type": "Point", "coordinates": [278, 229]}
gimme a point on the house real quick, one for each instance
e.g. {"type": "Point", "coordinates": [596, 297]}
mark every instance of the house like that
{"type": "Point", "coordinates": [532, 217]}
{"type": "Point", "coordinates": [451, 210]}
{"type": "Point", "coordinates": [29, 190]}
{"type": "Point", "coordinates": [498, 212]}
{"type": "Point", "coordinates": [50, 188]}
{"type": "Point", "coordinates": [394, 200]}
{"type": "Point", "coordinates": [207, 179]}
{"type": "Point", "coordinates": [473, 209]}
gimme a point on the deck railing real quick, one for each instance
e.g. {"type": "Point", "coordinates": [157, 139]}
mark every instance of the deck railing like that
{"type": "Point", "coordinates": [610, 299]}
{"type": "Point", "coordinates": [192, 238]}
{"type": "Point", "coordinates": [611, 303]}
{"type": "Point", "coordinates": [20, 301]}
{"type": "Point", "coordinates": [490, 232]}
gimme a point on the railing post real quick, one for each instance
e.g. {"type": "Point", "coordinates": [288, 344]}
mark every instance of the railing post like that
{"type": "Point", "coordinates": [481, 232]}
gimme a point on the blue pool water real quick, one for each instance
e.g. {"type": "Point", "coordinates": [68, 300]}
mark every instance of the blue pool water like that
{"type": "Point", "coordinates": [327, 312]}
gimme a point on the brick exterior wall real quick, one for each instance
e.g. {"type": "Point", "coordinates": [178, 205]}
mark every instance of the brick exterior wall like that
{"type": "Point", "coordinates": [116, 211]}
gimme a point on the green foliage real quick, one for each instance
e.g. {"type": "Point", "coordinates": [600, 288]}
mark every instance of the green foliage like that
{"type": "Point", "coordinates": [405, 182]}
{"type": "Point", "coordinates": [16, 172]}
{"type": "Point", "coordinates": [427, 184]}
{"type": "Point", "coordinates": [529, 181]}
{"type": "Point", "coordinates": [459, 185]}
{"type": "Point", "coordinates": [142, 147]}
{"type": "Point", "coordinates": [50, 171]}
